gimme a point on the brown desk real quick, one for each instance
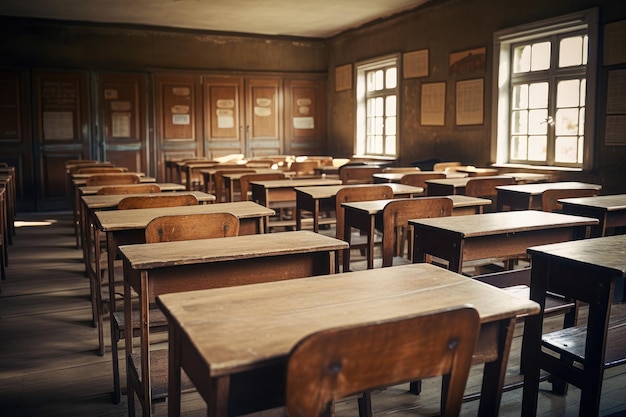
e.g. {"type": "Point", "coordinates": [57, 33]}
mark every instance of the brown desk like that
{"type": "Point", "coordinates": [160, 268]}
{"type": "Point", "coordinates": [528, 196]}
{"type": "Point", "coordinates": [242, 336]}
{"type": "Point", "coordinates": [317, 199]}
{"type": "Point", "coordinates": [585, 270]}
{"type": "Point", "coordinates": [610, 210]}
{"type": "Point", "coordinates": [192, 169]}
{"type": "Point", "coordinates": [279, 194]}
{"type": "Point", "coordinates": [450, 186]}
{"type": "Point", "coordinates": [231, 180]}
{"type": "Point", "coordinates": [504, 234]}
{"type": "Point", "coordinates": [363, 215]}
{"type": "Point", "coordinates": [387, 177]}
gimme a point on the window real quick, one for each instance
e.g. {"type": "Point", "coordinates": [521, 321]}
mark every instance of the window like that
{"type": "Point", "coordinates": [377, 108]}
{"type": "Point", "coordinates": [544, 100]}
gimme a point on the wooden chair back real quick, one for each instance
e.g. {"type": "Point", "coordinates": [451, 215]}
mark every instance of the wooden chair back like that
{"type": "Point", "coordinates": [332, 364]}
{"type": "Point", "coordinates": [260, 163]}
{"type": "Point", "coordinates": [304, 168]}
{"type": "Point", "coordinates": [129, 189]}
{"type": "Point", "coordinates": [442, 166]}
{"type": "Point", "coordinates": [358, 174]}
{"type": "Point", "coordinates": [360, 193]}
{"type": "Point", "coordinates": [396, 216]}
{"type": "Point", "coordinates": [117, 179]}
{"type": "Point", "coordinates": [485, 187]}
{"type": "Point", "coordinates": [192, 226]}
{"type": "Point", "coordinates": [101, 170]}
{"type": "Point", "coordinates": [157, 200]}
{"type": "Point", "coordinates": [549, 198]}
{"type": "Point", "coordinates": [244, 182]}
{"type": "Point", "coordinates": [418, 179]}
{"type": "Point", "coordinates": [218, 181]}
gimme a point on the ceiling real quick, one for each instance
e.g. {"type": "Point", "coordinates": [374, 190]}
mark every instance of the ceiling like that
{"type": "Point", "coordinates": [302, 18]}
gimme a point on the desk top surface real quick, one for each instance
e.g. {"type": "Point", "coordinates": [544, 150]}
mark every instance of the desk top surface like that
{"type": "Point", "coordinates": [104, 201]}
{"type": "Point", "coordinates": [296, 182]}
{"type": "Point", "coordinates": [187, 252]}
{"type": "Point", "coordinates": [242, 327]}
{"type": "Point", "coordinates": [536, 189]}
{"type": "Point", "coordinates": [375, 206]}
{"type": "Point", "coordinates": [475, 225]}
{"type": "Point", "coordinates": [112, 220]}
{"type": "Point", "coordinates": [330, 191]}
{"type": "Point", "coordinates": [613, 202]}
{"type": "Point", "coordinates": [238, 175]}
{"type": "Point", "coordinates": [607, 253]}
{"type": "Point", "coordinates": [85, 175]}
{"type": "Point", "coordinates": [164, 186]}
{"type": "Point", "coordinates": [517, 176]}
{"type": "Point", "coordinates": [397, 176]}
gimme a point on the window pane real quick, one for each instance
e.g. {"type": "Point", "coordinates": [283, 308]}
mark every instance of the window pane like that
{"type": "Point", "coordinates": [371, 107]}
{"type": "Point", "coordinates": [391, 78]}
{"type": "Point", "coordinates": [581, 121]}
{"type": "Point", "coordinates": [378, 144]}
{"type": "Point", "coordinates": [390, 145]}
{"type": "Point", "coordinates": [520, 97]}
{"type": "Point", "coordinates": [379, 106]}
{"type": "Point", "coordinates": [585, 49]}
{"type": "Point", "coordinates": [538, 95]}
{"type": "Point", "coordinates": [566, 122]}
{"type": "Point", "coordinates": [390, 126]}
{"type": "Point", "coordinates": [518, 147]}
{"type": "Point", "coordinates": [583, 91]}
{"type": "Point", "coordinates": [371, 81]}
{"type": "Point", "coordinates": [521, 59]}
{"type": "Point", "coordinates": [537, 124]}
{"type": "Point", "coordinates": [566, 149]}
{"type": "Point", "coordinates": [390, 106]}
{"type": "Point", "coordinates": [568, 93]}
{"type": "Point", "coordinates": [581, 143]}
{"type": "Point", "coordinates": [378, 126]}
{"type": "Point", "coordinates": [540, 56]}
{"type": "Point", "coordinates": [519, 122]}
{"type": "Point", "coordinates": [571, 51]}
{"type": "Point", "coordinates": [537, 148]}
{"type": "Point", "coordinates": [379, 80]}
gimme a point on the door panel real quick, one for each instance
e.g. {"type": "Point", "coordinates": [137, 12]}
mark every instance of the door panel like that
{"type": "Point", "coordinates": [264, 117]}
{"type": "Point", "coordinates": [61, 127]}
{"type": "Point", "coordinates": [223, 104]}
{"type": "Point", "coordinates": [178, 124]}
{"type": "Point", "coordinates": [122, 113]}
{"type": "Point", "coordinates": [305, 123]}
{"type": "Point", "coordinates": [15, 134]}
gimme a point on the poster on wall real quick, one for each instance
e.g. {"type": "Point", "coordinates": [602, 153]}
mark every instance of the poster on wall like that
{"type": "Point", "coordinates": [615, 126]}
{"type": "Point", "coordinates": [415, 64]}
{"type": "Point", "coordinates": [467, 62]}
{"type": "Point", "coordinates": [469, 102]}
{"type": "Point", "coordinates": [433, 104]}
{"type": "Point", "coordinates": [343, 77]}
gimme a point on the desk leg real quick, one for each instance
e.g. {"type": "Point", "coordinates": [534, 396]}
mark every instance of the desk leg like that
{"type": "Point", "coordinates": [218, 403]}
{"type": "Point", "coordinates": [347, 236]}
{"type": "Point", "coordinates": [174, 381]}
{"type": "Point", "coordinates": [370, 243]}
{"type": "Point", "coordinates": [494, 372]}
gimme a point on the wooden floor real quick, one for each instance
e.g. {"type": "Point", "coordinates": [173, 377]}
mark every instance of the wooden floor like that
{"type": "Point", "coordinates": [48, 364]}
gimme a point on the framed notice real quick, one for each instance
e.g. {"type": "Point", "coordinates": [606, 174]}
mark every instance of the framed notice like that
{"type": "Point", "coordinates": [469, 102]}
{"type": "Point", "coordinates": [343, 77]}
{"type": "Point", "coordinates": [615, 126]}
{"type": "Point", "coordinates": [415, 64]}
{"type": "Point", "coordinates": [468, 62]}
{"type": "Point", "coordinates": [433, 104]}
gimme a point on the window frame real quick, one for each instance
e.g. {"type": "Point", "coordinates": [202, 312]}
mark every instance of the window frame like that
{"type": "Point", "coordinates": [360, 128]}
{"type": "Point", "coordinates": [501, 112]}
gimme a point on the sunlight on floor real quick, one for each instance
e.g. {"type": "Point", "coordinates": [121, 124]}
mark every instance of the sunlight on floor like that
{"type": "Point", "coordinates": [21, 223]}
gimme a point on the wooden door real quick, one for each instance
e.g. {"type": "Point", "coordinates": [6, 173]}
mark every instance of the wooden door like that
{"type": "Point", "coordinates": [122, 117]}
{"type": "Point", "coordinates": [61, 132]}
{"type": "Point", "coordinates": [16, 147]}
{"type": "Point", "coordinates": [305, 121]}
{"type": "Point", "coordinates": [178, 124]}
{"type": "Point", "coordinates": [264, 117]}
{"type": "Point", "coordinates": [223, 116]}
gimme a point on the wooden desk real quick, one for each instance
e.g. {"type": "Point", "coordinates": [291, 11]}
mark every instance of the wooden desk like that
{"type": "Point", "coordinates": [610, 210]}
{"type": "Point", "coordinates": [160, 268]}
{"type": "Point", "coordinates": [279, 194]}
{"type": "Point", "coordinates": [450, 186]}
{"type": "Point", "coordinates": [528, 196]}
{"type": "Point", "coordinates": [317, 199]}
{"type": "Point", "coordinates": [492, 235]}
{"type": "Point", "coordinates": [364, 215]}
{"type": "Point", "coordinates": [231, 180]}
{"type": "Point", "coordinates": [242, 336]}
{"type": "Point", "coordinates": [7, 181]}
{"type": "Point", "coordinates": [585, 270]}
{"type": "Point", "coordinates": [387, 177]}
{"type": "Point", "coordinates": [192, 169]}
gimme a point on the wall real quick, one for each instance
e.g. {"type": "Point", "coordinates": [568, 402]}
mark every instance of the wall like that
{"type": "Point", "coordinates": [445, 27]}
